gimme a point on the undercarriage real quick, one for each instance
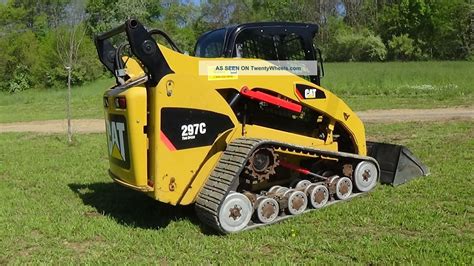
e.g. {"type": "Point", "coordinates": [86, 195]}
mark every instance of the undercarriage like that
{"type": "Point", "coordinates": [259, 182]}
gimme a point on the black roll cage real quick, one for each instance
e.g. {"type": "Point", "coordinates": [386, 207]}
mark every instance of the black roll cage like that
{"type": "Point", "coordinates": [306, 31]}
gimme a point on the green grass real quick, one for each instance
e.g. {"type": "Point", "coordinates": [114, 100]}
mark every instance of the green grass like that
{"type": "Point", "coordinates": [49, 104]}
{"type": "Point", "coordinates": [363, 85]}
{"type": "Point", "coordinates": [402, 84]}
{"type": "Point", "coordinates": [59, 206]}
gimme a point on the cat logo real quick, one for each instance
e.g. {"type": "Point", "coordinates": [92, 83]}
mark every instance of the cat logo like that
{"type": "Point", "coordinates": [117, 140]}
{"type": "Point", "coordinates": [307, 92]}
{"type": "Point", "coordinates": [310, 93]}
{"type": "Point", "coordinates": [116, 146]}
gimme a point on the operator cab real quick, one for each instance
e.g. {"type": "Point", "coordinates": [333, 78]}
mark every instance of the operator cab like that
{"type": "Point", "coordinates": [265, 40]}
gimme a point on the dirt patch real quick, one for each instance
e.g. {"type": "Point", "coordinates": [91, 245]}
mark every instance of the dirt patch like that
{"type": "Point", "coordinates": [55, 126]}
{"type": "Point", "coordinates": [371, 116]}
{"type": "Point", "coordinates": [412, 115]}
{"type": "Point", "coordinates": [82, 247]}
{"type": "Point", "coordinates": [27, 251]}
{"type": "Point", "coordinates": [266, 250]}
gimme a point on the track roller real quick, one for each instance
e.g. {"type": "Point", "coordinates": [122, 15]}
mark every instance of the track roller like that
{"type": "Point", "coordinates": [274, 189]}
{"type": "Point", "coordinates": [302, 184]}
{"type": "Point", "coordinates": [281, 190]}
{"type": "Point", "coordinates": [332, 180]}
{"type": "Point", "coordinates": [235, 212]}
{"type": "Point", "coordinates": [288, 192]}
{"type": "Point", "coordinates": [318, 195]}
{"type": "Point", "coordinates": [297, 202]}
{"type": "Point", "coordinates": [343, 188]}
{"type": "Point", "coordinates": [267, 209]}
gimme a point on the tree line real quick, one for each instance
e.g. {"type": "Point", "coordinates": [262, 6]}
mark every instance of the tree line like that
{"type": "Point", "coordinates": [35, 34]}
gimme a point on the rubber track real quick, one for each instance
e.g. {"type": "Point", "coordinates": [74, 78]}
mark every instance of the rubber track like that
{"type": "Point", "coordinates": [222, 180]}
{"type": "Point", "coordinates": [224, 177]}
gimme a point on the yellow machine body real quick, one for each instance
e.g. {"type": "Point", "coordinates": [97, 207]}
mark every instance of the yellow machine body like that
{"type": "Point", "coordinates": [142, 157]}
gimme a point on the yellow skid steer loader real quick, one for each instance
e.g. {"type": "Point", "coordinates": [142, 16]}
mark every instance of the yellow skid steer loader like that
{"type": "Point", "coordinates": [246, 150]}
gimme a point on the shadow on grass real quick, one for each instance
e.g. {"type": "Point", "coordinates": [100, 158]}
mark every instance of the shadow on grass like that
{"type": "Point", "coordinates": [131, 208]}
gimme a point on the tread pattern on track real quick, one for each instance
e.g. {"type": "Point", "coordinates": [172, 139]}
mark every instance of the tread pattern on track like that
{"type": "Point", "coordinates": [222, 180]}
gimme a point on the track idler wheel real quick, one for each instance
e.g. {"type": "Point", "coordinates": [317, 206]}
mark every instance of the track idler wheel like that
{"type": "Point", "coordinates": [235, 212]}
{"type": "Point", "coordinates": [297, 202]}
{"type": "Point", "coordinates": [365, 176]}
{"type": "Point", "coordinates": [343, 188]}
{"type": "Point", "coordinates": [267, 209]}
{"type": "Point", "coordinates": [318, 195]}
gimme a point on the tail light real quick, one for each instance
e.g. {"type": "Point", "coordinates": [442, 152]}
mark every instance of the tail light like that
{"type": "Point", "coordinates": [121, 103]}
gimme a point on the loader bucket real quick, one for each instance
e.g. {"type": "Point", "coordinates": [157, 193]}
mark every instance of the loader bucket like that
{"type": "Point", "coordinates": [397, 164]}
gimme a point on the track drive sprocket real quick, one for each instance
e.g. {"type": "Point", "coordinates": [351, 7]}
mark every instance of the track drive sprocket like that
{"type": "Point", "coordinates": [262, 163]}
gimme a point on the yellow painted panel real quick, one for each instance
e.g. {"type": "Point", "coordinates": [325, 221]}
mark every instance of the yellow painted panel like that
{"type": "Point", "coordinates": [135, 119]}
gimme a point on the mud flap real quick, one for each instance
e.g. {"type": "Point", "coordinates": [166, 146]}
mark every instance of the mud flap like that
{"type": "Point", "coordinates": [397, 164]}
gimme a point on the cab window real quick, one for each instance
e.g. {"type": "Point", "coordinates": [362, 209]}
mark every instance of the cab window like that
{"type": "Point", "coordinates": [252, 44]}
{"type": "Point", "coordinates": [211, 44]}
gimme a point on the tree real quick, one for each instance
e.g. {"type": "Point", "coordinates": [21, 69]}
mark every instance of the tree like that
{"type": "Point", "coordinates": [411, 17]}
{"type": "Point", "coordinates": [402, 48]}
{"type": "Point", "coordinates": [105, 15]}
{"type": "Point", "coordinates": [452, 23]}
{"type": "Point", "coordinates": [68, 44]}
{"type": "Point", "coordinates": [177, 20]}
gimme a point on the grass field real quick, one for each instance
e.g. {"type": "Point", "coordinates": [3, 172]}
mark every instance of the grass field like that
{"type": "Point", "coordinates": [363, 85]}
{"type": "Point", "coordinates": [59, 206]}
{"type": "Point", "coordinates": [402, 84]}
{"type": "Point", "coordinates": [48, 104]}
